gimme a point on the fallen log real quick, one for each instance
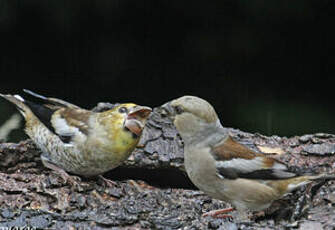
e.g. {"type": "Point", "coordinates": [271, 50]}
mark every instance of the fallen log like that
{"type": "Point", "coordinates": [152, 190]}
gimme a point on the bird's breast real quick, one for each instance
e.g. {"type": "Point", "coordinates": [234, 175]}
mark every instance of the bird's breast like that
{"type": "Point", "coordinates": [113, 147]}
{"type": "Point", "coordinates": [200, 167]}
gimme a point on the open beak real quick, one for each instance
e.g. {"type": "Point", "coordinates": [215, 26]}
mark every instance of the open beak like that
{"type": "Point", "coordinates": [136, 119]}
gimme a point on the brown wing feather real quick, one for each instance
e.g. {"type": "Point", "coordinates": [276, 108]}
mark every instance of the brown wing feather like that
{"type": "Point", "coordinates": [235, 160]}
{"type": "Point", "coordinates": [230, 149]}
{"type": "Point", "coordinates": [76, 117]}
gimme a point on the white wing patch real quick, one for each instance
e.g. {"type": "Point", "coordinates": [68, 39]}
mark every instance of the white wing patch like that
{"type": "Point", "coordinates": [279, 166]}
{"type": "Point", "coordinates": [248, 165]}
{"type": "Point", "coordinates": [19, 97]}
{"type": "Point", "coordinates": [63, 129]}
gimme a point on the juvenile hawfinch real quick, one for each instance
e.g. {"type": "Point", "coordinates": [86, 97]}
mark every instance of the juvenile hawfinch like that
{"type": "Point", "coordinates": [225, 169]}
{"type": "Point", "coordinates": [78, 140]}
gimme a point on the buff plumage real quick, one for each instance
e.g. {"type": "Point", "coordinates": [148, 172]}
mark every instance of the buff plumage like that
{"type": "Point", "coordinates": [80, 141]}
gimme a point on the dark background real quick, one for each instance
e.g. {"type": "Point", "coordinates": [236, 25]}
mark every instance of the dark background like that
{"type": "Point", "coordinates": [266, 66]}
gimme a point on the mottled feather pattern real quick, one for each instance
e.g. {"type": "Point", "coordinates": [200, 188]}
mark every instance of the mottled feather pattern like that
{"type": "Point", "coordinates": [92, 154]}
{"type": "Point", "coordinates": [53, 149]}
{"type": "Point", "coordinates": [77, 140]}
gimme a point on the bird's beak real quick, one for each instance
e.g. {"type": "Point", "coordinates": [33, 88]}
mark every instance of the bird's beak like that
{"type": "Point", "coordinates": [136, 119]}
{"type": "Point", "coordinates": [167, 110]}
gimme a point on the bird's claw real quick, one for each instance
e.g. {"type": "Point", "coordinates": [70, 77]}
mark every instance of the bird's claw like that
{"type": "Point", "coordinates": [107, 182]}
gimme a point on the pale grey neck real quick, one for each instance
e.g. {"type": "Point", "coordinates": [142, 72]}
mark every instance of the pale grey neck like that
{"type": "Point", "coordinates": [207, 134]}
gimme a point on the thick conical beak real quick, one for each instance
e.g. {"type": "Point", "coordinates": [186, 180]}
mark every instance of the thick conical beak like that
{"type": "Point", "coordinates": [167, 111]}
{"type": "Point", "coordinates": [140, 112]}
{"type": "Point", "coordinates": [136, 119]}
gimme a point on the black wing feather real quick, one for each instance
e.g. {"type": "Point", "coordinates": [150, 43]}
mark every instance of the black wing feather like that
{"type": "Point", "coordinates": [261, 174]}
{"type": "Point", "coordinates": [43, 113]}
{"type": "Point", "coordinates": [44, 108]}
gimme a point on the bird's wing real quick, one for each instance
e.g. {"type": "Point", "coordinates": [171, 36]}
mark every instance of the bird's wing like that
{"type": "Point", "coordinates": [52, 102]}
{"type": "Point", "coordinates": [68, 122]}
{"type": "Point", "coordinates": [234, 160]}
{"type": "Point", "coordinates": [60, 117]}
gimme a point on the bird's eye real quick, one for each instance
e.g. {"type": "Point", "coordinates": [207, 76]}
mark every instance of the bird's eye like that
{"type": "Point", "coordinates": [123, 110]}
{"type": "Point", "coordinates": [178, 110]}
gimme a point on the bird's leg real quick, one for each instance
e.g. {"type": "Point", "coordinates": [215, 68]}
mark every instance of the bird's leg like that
{"type": "Point", "coordinates": [107, 182]}
{"type": "Point", "coordinates": [61, 172]}
{"type": "Point", "coordinates": [221, 213]}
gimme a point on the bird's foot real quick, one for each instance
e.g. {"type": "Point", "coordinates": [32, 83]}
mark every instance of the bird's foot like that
{"type": "Point", "coordinates": [221, 213]}
{"type": "Point", "coordinates": [107, 182]}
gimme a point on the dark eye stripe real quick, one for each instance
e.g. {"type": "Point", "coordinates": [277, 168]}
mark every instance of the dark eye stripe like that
{"type": "Point", "coordinates": [123, 110]}
{"type": "Point", "coordinates": [178, 110]}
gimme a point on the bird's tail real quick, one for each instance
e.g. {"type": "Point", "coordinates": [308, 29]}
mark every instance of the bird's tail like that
{"type": "Point", "coordinates": [19, 102]}
{"type": "Point", "coordinates": [289, 185]}
{"type": "Point", "coordinates": [297, 182]}
{"type": "Point", "coordinates": [323, 176]}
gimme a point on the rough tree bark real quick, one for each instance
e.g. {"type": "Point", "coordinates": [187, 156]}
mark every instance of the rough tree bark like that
{"type": "Point", "coordinates": [31, 195]}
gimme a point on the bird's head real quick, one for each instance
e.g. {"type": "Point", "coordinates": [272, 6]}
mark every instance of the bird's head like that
{"type": "Point", "coordinates": [191, 115]}
{"type": "Point", "coordinates": [130, 116]}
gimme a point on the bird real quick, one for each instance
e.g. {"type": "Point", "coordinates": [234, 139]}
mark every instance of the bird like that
{"type": "Point", "coordinates": [225, 169]}
{"type": "Point", "coordinates": [79, 141]}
